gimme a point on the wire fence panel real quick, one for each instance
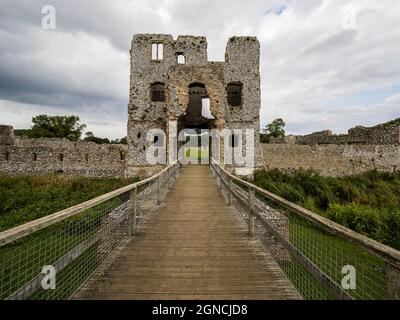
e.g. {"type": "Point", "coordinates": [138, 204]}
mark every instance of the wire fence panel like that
{"type": "Point", "coordinates": [323, 260]}
{"type": "Point", "coordinates": [54, 262]}
{"type": "Point", "coordinates": [94, 232]}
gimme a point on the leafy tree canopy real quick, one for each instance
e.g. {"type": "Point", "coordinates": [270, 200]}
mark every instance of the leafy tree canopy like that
{"type": "Point", "coordinates": [395, 122]}
{"type": "Point", "coordinates": [45, 126]}
{"type": "Point", "coordinates": [274, 129]}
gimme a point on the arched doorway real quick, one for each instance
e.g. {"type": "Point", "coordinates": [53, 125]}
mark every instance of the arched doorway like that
{"type": "Point", "coordinates": [197, 118]}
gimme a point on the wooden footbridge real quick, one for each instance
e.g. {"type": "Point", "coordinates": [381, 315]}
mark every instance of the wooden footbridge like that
{"type": "Point", "coordinates": [194, 247]}
{"type": "Point", "coordinates": [192, 232]}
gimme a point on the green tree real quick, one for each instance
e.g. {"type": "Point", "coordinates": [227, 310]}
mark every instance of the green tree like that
{"type": "Point", "coordinates": [275, 128]}
{"type": "Point", "coordinates": [23, 132]}
{"type": "Point", "coordinates": [90, 137]}
{"type": "Point", "coordinates": [123, 140]}
{"type": "Point", "coordinates": [45, 126]}
{"type": "Point", "coordinates": [89, 134]}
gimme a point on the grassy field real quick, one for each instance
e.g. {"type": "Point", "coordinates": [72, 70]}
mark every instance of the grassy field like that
{"type": "Point", "coordinates": [26, 198]}
{"type": "Point", "coordinates": [196, 154]}
{"type": "Point", "coordinates": [30, 197]}
{"type": "Point", "coordinates": [368, 203]}
{"type": "Point", "coordinates": [330, 254]}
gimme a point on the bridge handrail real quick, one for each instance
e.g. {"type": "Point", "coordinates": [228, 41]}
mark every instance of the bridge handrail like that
{"type": "Point", "coordinates": [387, 253]}
{"type": "Point", "coordinates": [30, 227]}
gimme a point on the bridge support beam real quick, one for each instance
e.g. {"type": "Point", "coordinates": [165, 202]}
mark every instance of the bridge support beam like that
{"type": "Point", "coordinates": [251, 210]}
{"type": "Point", "coordinates": [132, 211]}
{"type": "Point", "coordinates": [230, 196]}
{"type": "Point", "coordinates": [158, 191]}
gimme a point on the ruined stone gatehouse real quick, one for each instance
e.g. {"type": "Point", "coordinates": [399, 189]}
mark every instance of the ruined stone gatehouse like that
{"type": "Point", "coordinates": [172, 80]}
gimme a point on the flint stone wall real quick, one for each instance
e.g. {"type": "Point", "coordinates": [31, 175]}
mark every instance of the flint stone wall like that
{"type": "Point", "coordinates": [45, 156]}
{"type": "Point", "coordinates": [332, 160]}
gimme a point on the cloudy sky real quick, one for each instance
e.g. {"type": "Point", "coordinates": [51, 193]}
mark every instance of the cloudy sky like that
{"type": "Point", "coordinates": [324, 63]}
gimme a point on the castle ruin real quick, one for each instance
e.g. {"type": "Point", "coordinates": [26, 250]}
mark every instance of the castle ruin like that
{"type": "Point", "coordinates": [171, 79]}
{"type": "Point", "coordinates": [170, 82]}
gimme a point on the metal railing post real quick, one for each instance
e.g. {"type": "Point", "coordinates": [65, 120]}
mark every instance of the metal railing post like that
{"type": "Point", "coordinates": [393, 282]}
{"type": "Point", "coordinates": [132, 211]}
{"type": "Point", "coordinates": [230, 200]}
{"type": "Point", "coordinates": [251, 209]}
{"type": "Point", "coordinates": [168, 186]}
{"type": "Point", "coordinates": [158, 190]}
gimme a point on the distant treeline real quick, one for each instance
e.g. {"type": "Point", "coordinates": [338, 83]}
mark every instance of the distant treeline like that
{"type": "Point", "coordinates": [67, 127]}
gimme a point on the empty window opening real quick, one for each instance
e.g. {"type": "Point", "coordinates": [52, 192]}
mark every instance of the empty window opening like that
{"type": "Point", "coordinates": [34, 157]}
{"type": "Point", "coordinates": [144, 148]}
{"type": "Point", "coordinates": [160, 51]}
{"type": "Point", "coordinates": [87, 157]}
{"type": "Point", "coordinates": [233, 141]}
{"type": "Point", "coordinates": [7, 156]}
{"type": "Point", "coordinates": [157, 92]}
{"type": "Point", "coordinates": [157, 51]}
{"type": "Point", "coordinates": [158, 140]}
{"type": "Point", "coordinates": [61, 157]}
{"type": "Point", "coordinates": [205, 108]}
{"type": "Point", "coordinates": [234, 94]}
{"type": "Point", "coordinates": [181, 58]}
{"type": "Point", "coordinates": [121, 155]}
{"type": "Point", "coordinates": [193, 117]}
{"type": "Point", "coordinates": [139, 135]}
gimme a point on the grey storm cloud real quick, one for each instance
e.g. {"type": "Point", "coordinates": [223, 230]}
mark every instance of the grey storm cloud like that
{"type": "Point", "coordinates": [307, 57]}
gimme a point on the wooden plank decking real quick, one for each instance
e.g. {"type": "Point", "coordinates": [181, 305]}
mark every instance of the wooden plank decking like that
{"type": "Point", "coordinates": [193, 247]}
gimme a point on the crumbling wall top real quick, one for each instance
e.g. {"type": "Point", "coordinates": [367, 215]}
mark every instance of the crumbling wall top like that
{"type": "Point", "coordinates": [7, 136]}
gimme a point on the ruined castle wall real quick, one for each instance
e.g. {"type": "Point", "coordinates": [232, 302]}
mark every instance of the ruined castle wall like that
{"type": "Point", "coordinates": [143, 113]}
{"type": "Point", "coordinates": [242, 65]}
{"type": "Point", "coordinates": [332, 160]}
{"type": "Point", "coordinates": [379, 135]}
{"type": "Point", "coordinates": [211, 75]}
{"type": "Point", "coordinates": [45, 156]}
{"type": "Point", "coordinates": [7, 136]}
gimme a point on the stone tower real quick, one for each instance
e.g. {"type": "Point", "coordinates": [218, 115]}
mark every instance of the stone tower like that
{"type": "Point", "coordinates": [169, 80]}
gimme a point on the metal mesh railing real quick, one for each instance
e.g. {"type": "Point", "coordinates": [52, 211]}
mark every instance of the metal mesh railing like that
{"type": "Point", "coordinates": [322, 259]}
{"type": "Point", "coordinates": [73, 243]}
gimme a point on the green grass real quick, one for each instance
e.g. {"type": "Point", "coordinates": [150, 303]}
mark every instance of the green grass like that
{"type": "Point", "coordinates": [23, 259]}
{"type": "Point", "coordinates": [196, 154]}
{"type": "Point", "coordinates": [330, 253]}
{"type": "Point", "coordinates": [30, 197]}
{"type": "Point", "coordinates": [367, 203]}
{"type": "Point", "coordinates": [26, 198]}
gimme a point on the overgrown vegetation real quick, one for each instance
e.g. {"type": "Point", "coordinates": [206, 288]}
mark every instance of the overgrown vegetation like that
{"type": "Point", "coordinates": [25, 198]}
{"type": "Point", "coordinates": [368, 203]}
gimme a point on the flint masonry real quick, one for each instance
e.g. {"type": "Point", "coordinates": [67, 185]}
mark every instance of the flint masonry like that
{"type": "Point", "coordinates": [171, 82]}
